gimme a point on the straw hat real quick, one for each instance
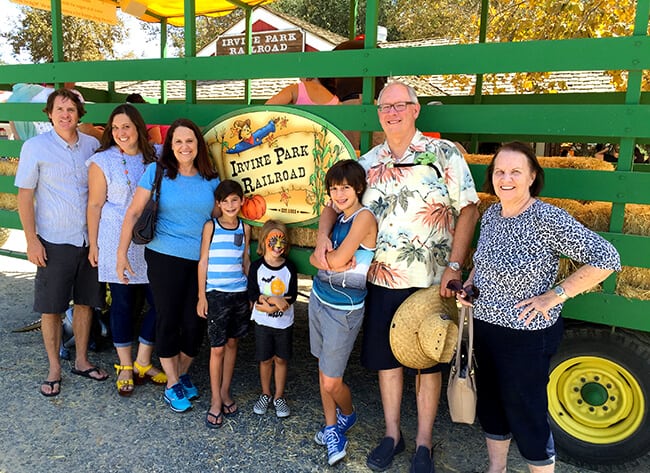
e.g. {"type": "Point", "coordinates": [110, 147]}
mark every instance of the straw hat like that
{"type": "Point", "coordinates": [423, 332]}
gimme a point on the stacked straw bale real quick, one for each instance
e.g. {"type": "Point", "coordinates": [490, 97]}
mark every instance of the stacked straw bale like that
{"type": "Point", "coordinates": [298, 236]}
{"type": "Point", "coordinates": [8, 168]}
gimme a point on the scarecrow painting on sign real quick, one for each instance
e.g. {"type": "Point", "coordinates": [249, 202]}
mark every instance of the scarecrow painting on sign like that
{"type": "Point", "coordinates": [280, 156]}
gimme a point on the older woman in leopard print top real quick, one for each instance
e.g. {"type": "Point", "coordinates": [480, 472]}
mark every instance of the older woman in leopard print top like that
{"type": "Point", "coordinates": [518, 326]}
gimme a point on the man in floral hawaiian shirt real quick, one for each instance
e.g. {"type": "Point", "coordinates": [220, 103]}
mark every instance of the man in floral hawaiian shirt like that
{"type": "Point", "coordinates": [423, 195]}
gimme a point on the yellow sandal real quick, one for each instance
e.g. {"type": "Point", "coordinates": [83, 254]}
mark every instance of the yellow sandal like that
{"type": "Point", "coordinates": [141, 374]}
{"type": "Point", "coordinates": [124, 386]}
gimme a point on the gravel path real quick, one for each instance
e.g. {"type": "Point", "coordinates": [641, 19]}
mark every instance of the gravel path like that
{"type": "Point", "coordinates": [88, 428]}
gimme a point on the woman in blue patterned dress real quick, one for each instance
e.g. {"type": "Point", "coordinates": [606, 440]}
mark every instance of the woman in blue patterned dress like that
{"type": "Point", "coordinates": [113, 173]}
{"type": "Point", "coordinates": [518, 325]}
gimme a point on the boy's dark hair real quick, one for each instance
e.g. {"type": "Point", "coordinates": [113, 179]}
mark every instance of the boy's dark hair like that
{"type": "Point", "coordinates": [347, 170]}
{"type": "Point", "coordinates": [267, 228]}
{"type": "Point", "coordinates": [227, 187]}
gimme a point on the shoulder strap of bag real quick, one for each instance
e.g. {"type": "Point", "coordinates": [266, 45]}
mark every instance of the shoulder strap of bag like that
{"type": "Point", "coordinates": [157, 181]}
{"type": "Point", "coordinates": [470, 338]}
{"type": "Point", "coordinates": [468, 312]}
{"type": "Point", "coordinates": [461, 327]}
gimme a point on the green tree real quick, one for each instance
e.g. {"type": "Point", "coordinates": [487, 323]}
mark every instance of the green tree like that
{"type": "Point", "coordinates": [333, 15]}
{"type": "Point", "coordinates": [517, 20]}
{"type": "Point", "coordinates": [417, 19]}
{"type": "Point", "coordinates": [83, 40]}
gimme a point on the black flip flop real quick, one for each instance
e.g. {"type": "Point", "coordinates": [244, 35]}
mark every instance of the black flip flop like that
{"type": "Point", "coordinates": [227, 409]}
{"type": "Point", "coordinates": [216, 417]}
{"type": "Point", "coordinates": [51, 384]}
{"type": "Point", "coordinates": [86, 373]}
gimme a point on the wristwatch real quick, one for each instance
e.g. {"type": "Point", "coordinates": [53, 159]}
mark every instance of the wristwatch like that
{"type": "Point", "coordinates": [454, 265]}
{"type": "Point", "coordinates": [559, 291]}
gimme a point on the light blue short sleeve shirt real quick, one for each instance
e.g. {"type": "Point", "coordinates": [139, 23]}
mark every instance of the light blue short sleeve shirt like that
{"type": "Point", "coordinates": [57, 172]}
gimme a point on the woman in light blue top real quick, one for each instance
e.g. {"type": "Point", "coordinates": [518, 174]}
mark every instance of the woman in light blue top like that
{"type": "Point", "coordinates": [113, 173]}
{"type": "Point", "coordinates": [186, 203]}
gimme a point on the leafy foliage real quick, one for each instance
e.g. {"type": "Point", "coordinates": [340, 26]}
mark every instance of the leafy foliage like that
{"type": "Point", "coordinates": [333, 14]}
{"type": "Point", "coordinates": [417, 19]}
{"type": "Point", "coordinates": [83, 40]}
{"type": "Point", "coordinates": [519, 20]}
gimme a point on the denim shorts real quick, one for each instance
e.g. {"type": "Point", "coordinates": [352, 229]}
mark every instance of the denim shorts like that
{"type": "Point", "coordinates": [332, 333]}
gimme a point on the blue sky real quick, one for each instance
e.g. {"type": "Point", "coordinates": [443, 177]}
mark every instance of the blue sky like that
{"type": "Point", "coordinates": [136, 41]}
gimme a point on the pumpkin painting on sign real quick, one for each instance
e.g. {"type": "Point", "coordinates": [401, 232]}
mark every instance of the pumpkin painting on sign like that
{"type": "Point", "coordinates": [254, 207]}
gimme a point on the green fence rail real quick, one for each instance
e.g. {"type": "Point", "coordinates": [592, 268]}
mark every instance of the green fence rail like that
{"type": "Point", "coordinates": [620, 117]}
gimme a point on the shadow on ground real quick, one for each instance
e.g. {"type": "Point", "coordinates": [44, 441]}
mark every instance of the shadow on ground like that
{"type": "Point", "coordinates": [88, 428]}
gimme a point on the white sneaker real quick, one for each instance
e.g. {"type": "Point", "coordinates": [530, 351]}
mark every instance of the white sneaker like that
{"type": "Point", "coordinates": [281, 407]}
{"type": "Point", "coordinates": [262, 404]}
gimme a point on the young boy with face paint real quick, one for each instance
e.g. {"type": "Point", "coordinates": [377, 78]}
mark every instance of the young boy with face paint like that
{"type": "Point", "coordinates": [272, 289]}
{"type": "Point", "coordinates": [223, 300]}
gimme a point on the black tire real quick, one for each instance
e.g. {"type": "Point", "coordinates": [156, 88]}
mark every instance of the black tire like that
{"type": "Point", "coordinates": [599, 397]}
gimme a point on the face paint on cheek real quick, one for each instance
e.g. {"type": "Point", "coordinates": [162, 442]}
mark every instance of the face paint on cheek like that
{"type": "Point", "coordinates": [276, 241]}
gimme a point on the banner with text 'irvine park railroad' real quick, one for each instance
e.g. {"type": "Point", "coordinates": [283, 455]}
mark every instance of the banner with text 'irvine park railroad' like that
{"type": "Point", "coordinates": [280, 156]}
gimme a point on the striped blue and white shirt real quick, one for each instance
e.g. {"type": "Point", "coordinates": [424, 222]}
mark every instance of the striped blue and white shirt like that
{"type": "Point", "coordinates": [226, 259]}
{"type": "Point", "coordinates": [57, 172]}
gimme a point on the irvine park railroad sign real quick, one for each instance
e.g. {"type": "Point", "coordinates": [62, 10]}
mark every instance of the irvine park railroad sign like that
{"type": "Point", "coordinates": [280, 156]}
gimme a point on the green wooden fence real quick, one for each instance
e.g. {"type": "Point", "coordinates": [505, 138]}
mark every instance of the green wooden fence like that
{"type": "Point", "coordinates": [623, 117]}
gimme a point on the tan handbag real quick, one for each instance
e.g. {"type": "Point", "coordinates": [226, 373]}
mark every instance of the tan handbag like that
{"type": "Point", "coordinates": [461, 390]}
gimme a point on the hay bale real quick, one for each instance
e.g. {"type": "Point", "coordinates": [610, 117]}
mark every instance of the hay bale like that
{"type": "Point", "coordinates": [634, 283]}
{"type": "Point", "coordinates": [8, 167]}
{"type": "Point", "coordinates": [8, 201]}
{"type": "Point", "coordinates": [575, 163]}
{"type": "Point", "coordinates": [298, 236]}
{"type": "Point", "coordinates": [552, 162]}
{"type": "Point", "coordinates": [637, 219]}
{"type": "Point", "coordinates": [478, 158]}
{"type": "Point", "coordinates": [486, 200]}
{"type": "Point", "coordinates": [596, 215]}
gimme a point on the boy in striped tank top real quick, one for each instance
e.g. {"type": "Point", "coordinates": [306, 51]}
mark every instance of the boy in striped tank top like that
{"type": "Point", "coordinates": [223, 298]}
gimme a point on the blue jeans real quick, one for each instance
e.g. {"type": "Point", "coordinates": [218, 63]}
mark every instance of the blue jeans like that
{"type": "Point", "coordinates": [123, 298]}
{"type": "Point", "coordinates": [511, 376]}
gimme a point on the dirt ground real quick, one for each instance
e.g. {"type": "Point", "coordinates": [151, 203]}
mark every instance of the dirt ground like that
{"type": "Point", "coordinates": [89, 428]}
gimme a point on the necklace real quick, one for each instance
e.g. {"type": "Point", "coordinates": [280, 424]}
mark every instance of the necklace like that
{"type": "Point", "coordinates": [126, 172]}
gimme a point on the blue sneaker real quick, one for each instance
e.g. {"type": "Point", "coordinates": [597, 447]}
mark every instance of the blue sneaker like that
{"type": "Point", "coordinates": [191, 391]}
{"type": "Point", "coordinates": [336, 444]}
{"type": "Point", "coordinates": [175, 397]}
{"type": "Point", "coordinates": [343, 422]}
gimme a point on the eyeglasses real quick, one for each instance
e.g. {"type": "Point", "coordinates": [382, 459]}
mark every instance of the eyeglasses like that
{"type": "Point", "coordinates": [471, 291]}
{"type": "Point", "coordinates": [398, 107]}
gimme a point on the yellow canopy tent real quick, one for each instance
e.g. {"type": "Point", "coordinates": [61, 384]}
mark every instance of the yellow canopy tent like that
{"type": "Point", "coordinates": [173, 10]}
